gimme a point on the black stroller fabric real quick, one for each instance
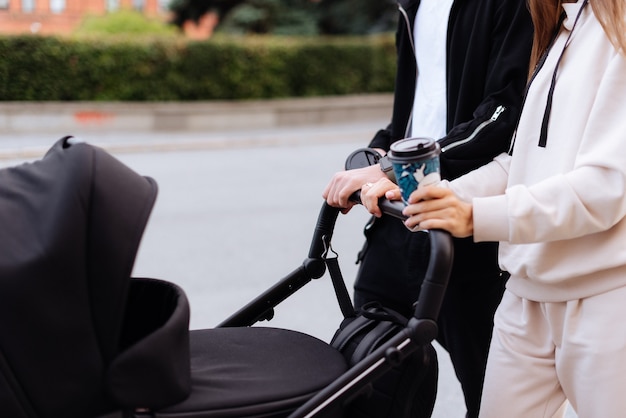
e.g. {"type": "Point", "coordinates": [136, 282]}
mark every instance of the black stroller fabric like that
{"type": "Point", "coordinates": [71, 225]}
{"type": "Point", "coordinates": [407, 390]}
{"type": "Point", "coordinates": [255, 372]}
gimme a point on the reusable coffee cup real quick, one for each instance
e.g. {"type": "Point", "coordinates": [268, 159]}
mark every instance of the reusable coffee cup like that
{"type": "Point", "coordinates": [415, 163]}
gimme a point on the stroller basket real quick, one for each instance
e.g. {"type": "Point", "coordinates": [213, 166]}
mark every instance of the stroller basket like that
{"type": "Point", "coordinates": [80, 337]}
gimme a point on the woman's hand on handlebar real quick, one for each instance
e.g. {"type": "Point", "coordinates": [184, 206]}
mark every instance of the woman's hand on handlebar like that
{"type": "Point", "coordinates": [372, 192]}
{"type": "Point", "coordinates": [344, 183]}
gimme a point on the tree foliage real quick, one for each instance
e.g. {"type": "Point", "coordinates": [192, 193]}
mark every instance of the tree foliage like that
{"type": "Point", "coordinates": [357, 16]}
{"type": "Point", "coordinates": [184, 10]}
{"type": "Point", "coordinates": [280, 17]}
{"type": "Point", "coordinates": [292, 17]}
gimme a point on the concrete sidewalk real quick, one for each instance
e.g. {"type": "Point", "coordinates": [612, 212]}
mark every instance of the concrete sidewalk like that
{"type": "Point", "coordinates": [49, 117]}
{"type": "Point", "coordinates": [27, 128]}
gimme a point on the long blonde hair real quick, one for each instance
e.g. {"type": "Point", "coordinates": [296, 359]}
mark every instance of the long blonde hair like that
{"type": "Point", "coordinates": [545, 15]}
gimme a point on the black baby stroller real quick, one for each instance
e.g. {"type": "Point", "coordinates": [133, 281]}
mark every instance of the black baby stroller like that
{"type": "Point", "coordinates": [80, 338]}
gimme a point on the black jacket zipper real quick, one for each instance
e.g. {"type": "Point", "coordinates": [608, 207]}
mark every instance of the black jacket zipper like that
{"type": "Point", "coordinates": [476, 131]}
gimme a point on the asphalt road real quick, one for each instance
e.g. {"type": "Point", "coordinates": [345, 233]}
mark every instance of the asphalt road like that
{"type": "Point", "coordinates": [231, 220]}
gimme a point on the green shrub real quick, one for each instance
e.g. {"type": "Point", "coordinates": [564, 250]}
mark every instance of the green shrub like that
{"type": "Point", "coordinates": [124, 22]}
{"type": "Point", "coordinates": [171, 68]}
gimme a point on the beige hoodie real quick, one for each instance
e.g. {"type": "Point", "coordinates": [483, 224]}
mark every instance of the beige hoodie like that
{"type": "Point", "coordinates": [559, 210]}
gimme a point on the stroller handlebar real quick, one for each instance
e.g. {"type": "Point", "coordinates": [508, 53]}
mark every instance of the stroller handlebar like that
{"type": "Point", "coordinates": [433, 286]}
{"type": "Point", "coordinates": [439, 264]}
{"type": "Point", "coordinates": [388, 207]}
{"type": "Point", "coordinates": [323, 231]}
{"type": "Point", "coordinates": [328, 217]}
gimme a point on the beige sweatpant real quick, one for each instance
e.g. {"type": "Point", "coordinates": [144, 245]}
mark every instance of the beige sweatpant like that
{"type": "Point", "coordinates": [543, 354]}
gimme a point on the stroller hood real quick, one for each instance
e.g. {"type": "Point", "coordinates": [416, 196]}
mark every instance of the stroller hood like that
{"type": "Point", "coordinates": [71, 225]}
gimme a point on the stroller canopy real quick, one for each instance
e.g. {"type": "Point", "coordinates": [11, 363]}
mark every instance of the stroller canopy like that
{"type": "Point", "coordinates": [71, 225]}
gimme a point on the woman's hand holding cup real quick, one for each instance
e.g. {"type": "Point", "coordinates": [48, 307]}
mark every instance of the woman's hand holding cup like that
{"type": "Point", "coordinates": [433, 207]}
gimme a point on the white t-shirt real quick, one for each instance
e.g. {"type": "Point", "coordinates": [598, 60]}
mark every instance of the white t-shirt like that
{"type": "Point", "coordinates": [430, 33]}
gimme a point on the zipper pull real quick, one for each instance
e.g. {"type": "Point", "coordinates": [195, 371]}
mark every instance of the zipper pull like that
{"type": "Point", "coordinates": [497, 113]}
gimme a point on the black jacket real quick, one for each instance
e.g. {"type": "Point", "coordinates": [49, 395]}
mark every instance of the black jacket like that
{"type": "Point", "coordinates": [488, 49]}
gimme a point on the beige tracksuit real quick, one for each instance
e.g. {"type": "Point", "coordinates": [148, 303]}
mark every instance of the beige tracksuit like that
{"type": "Point", "coordinates": [559, 211]}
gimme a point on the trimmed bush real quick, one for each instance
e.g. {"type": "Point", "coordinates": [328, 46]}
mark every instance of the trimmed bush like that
{"type": "Point", "coordinates": [173, 69]}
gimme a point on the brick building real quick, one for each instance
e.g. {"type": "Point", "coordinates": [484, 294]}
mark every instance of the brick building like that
{"type": "Point", "coordinates": [50, 17]}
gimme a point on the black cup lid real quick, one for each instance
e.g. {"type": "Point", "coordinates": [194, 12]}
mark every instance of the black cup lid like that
{"type": "Point", "coordinates": [414, 148]}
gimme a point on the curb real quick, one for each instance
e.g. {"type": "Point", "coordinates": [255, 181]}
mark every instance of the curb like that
{"type": "Point", "coordinates": [28, 129]}
{"type": "Point", "coordinates": [61, 117]}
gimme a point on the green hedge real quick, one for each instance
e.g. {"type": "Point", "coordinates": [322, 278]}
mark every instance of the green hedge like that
{"type": "Point", "coordinates": [168, 69]}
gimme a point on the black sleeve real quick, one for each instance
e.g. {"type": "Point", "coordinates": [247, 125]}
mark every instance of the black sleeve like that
{"type": "Point", "coordinates": [474, 140]}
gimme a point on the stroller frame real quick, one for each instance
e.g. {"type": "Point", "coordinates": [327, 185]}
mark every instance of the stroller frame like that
{"type": "Point", "coordinates": [420, 330]}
